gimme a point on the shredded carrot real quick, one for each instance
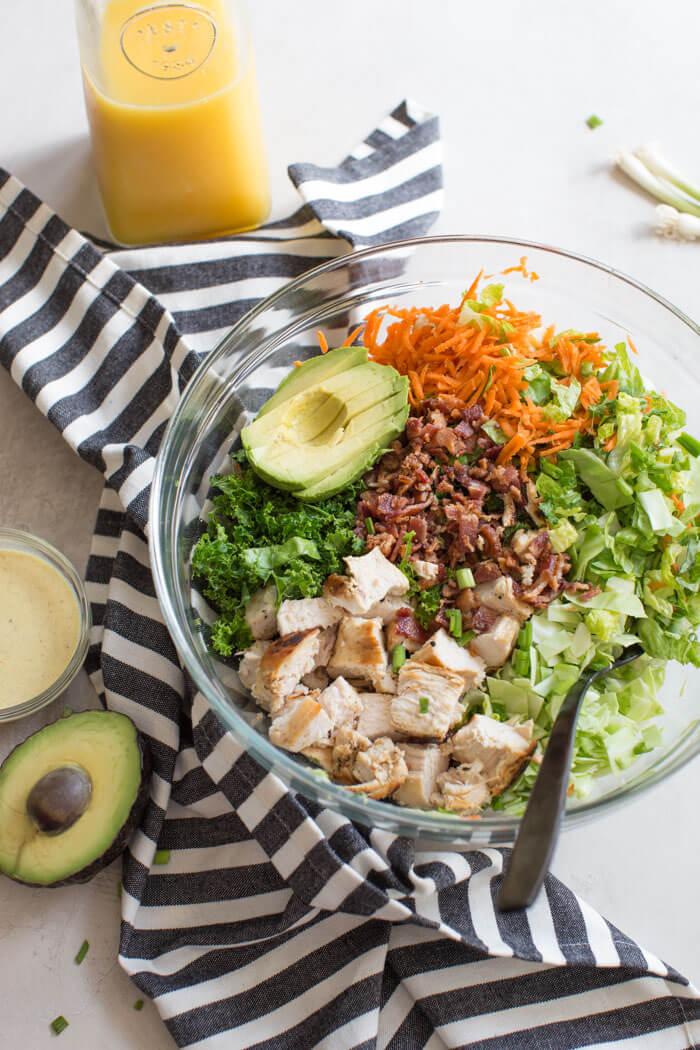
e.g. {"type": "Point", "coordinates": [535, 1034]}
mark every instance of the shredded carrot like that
{"type": "Point", "coordinates": [485, 363]}
{"type": "Point", "coordinates": [323, 343]}
{"type": "Point", "coordinates": [656, 585]}
{"type": "Point", "coordinates": [611, 442]}
{"type": "Point", "coordinates": [353, 335]}
{"type": "Point", "coordinates": [522, 268]}
{"type": "Point", "coordinates": [632, 347]}
{"type": "Point", "coordinates": [570, 789]}
{"type": "Point", "coordinates": [680, 505]}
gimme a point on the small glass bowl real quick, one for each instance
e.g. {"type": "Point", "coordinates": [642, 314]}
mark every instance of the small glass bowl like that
{"type": "Point", "coordinates": [26, 543]}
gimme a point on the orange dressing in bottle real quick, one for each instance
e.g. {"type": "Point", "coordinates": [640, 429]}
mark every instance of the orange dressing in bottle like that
{"type": "Point", "coordinates": [172, 104]}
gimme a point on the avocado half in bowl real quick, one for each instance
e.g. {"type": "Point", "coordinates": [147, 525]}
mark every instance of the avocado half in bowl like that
{"type": "Point", "coordinates": [241, 375]}
{"type": "Point", "coordinates": [71, 795]}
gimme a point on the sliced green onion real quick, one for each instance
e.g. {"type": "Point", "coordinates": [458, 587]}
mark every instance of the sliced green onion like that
{"type": "Point", "coordinates": [424, 704]}
{"type": "Point", "coordinates": [689, 443]}
{"type": "Point", "coordinates": [58, 1024]}
{"type": "Point", "coordinates": [525, 636]}
{"type": "Point", "coordinates": [398, 656]}
{"type": "Point", "coordinates": [521, 662]}
{"type": "Point", "coordinates": [467, 637]}
{"type": "Point", "coordinates": [82, 953]}
{"type": "Point", "coordinates": [138, 1005]}
{"type": "Point", "coordinates": [454, 617]}
{"type": "Point", "coordinates": [464, 578]}
{"type": "Point", "coordinates": [594, 121]}
{"type": "Point", "coordinates": [369, 525]}
{"type": "Point", "coordinates": [162, 856]}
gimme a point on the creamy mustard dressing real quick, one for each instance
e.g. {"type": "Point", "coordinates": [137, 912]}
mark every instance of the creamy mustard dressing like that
{"type": "Point", "coordinates": [39, 626]}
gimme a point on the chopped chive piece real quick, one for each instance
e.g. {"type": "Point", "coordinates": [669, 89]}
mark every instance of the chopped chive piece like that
{"type": "Point", "coordinates": [398, 657]}
{"type": "Point", "coordinates": [369, 525]}
{"type": "Point", "coordinates": [594, 121]}
{"type": "Point", "coordinates": [689, 443]}
{"type": "Point", "coordinates": [467, 637]}
{"type": "Point", "coordinates": [464, 578]}
{"type": "Point", "coordinates": [455, 620]}
{"type": "Point", "coordinates": [525, 636]}
{"type": "Point", "coordinates": [58, 1024]}
{"type": "Point", "coordinates": [162, 856]}
{"type": "Point", "coordinates": [521, 662]}
{"type": "Point", "coordinates": [82, 953]}
{"type": "Point", "coordinates": [138, 1005]}
{"type": "Point", "coordinates": [424, 704]}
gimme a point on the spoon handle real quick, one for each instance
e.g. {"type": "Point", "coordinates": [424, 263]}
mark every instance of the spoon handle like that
{"type": "Point", "coordinates": [534, 846]}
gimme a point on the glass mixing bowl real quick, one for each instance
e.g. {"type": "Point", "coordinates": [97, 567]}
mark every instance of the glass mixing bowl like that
{"type": "Point", "coordinates": [239, 375]}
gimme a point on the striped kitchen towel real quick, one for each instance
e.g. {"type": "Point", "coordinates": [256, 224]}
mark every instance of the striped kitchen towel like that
{"type": "Point", "coordinates": [277, 923]}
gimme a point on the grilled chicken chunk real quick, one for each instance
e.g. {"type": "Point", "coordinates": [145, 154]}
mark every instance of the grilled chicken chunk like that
{"type": "Point", "coordinates": [495, 645]}
{"type": "Point", "coordinates": [347, 743]}
{"type": "Point", "coordinates": [461, 789]}
{"type": "Point", "coordinates": [501, 750]}
{"type": "Point", "coordinates": [375, 716]}
{"type": "Point", "coordinates": [388, 607]}
{"type": "Point", "coordinates": [316, 679]}
{"type": "Point", "coordinates": [326, 645]}
{"type": "Point", "coordinates": [359, 651]}
{"type": "Point", "coordinates": [321, 755]}
{"type": "Point", "coordinates": [303, 613]}
{"type": "Point", "coordinates": [428, 700]}
{"type": "Point", "coordinates": [380, 769]}
{"type": "Point", "coordinates": [341, 703]}
{"type": "Point", "coordinates": [250, 662]}
{"type": "Point", "coordinates": [283, 665]}
{"type": "Point", "coordinates": [372, 578]}
{"type": "Point", "coordinates": [427, 570]}
{"type": "Point", "coordinates": [300, 723]}
{"type": "Point", "coordinates": [260, 613]}
{"type": "Point", "coordinates": [498, 595]}
{"type": "Point", "coordinates": [425, 762]}
{"type": "Point", "coordinates": [443, 651]}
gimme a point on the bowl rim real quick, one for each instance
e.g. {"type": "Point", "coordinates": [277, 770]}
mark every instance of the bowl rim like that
{"type": "Point", "coordinates": [36, 546]}
{"type": "Point", "coordinates": [436, 825]}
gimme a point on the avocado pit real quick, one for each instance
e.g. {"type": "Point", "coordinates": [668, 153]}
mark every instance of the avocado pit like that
{"type": "Point", "coordinates": [59, 799]}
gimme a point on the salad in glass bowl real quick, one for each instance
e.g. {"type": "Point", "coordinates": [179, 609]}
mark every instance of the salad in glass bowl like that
{"type": "Point", "coordinates": [428, 533]}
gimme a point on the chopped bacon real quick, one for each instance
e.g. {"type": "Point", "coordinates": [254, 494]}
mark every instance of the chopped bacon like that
{"type": "Point", "coordinates": [407, 625]}
{"type": "Point", "coordinates": [420, 486]}
{"type": "Point", "coordinates": [483, 619]}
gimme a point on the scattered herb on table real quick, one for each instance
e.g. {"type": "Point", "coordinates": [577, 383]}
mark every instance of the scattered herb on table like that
{"type": "Point", "coordinates": [82, 952]}
{"type": "Point", "coordinates": [138, 1005]}
{"type": "Point", "coordinates": [58, 1024]}
{"type": "Point", "coordinates": [593, 121]}
{"type": "Point", "coordinates": [258, 535]}
{"type": "Point", "coordinates": [162, 856]}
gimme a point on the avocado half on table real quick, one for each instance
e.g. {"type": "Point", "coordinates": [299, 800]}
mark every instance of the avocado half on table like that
{"type": "Point", "coordinates": [71, 796]}
{"type": "Point", "coordinates": [326, 423]}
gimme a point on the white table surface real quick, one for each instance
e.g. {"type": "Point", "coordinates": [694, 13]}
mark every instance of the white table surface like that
{"type": "Point", "coordinates": [513, 83]}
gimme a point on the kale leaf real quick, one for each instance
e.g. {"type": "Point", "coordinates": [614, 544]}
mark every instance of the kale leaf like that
{"type": "Point", "coordinates": [258, 535]}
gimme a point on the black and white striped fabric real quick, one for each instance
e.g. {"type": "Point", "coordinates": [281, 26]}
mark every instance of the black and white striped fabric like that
{"type": "Point", "coordinates": [276, 923]}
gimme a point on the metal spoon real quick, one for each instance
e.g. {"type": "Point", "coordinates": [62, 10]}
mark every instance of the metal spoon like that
{"type": "Point", "coordinates": [539, 827]}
